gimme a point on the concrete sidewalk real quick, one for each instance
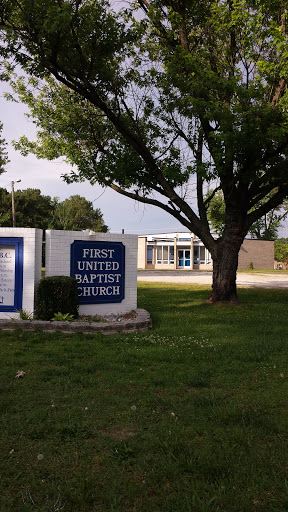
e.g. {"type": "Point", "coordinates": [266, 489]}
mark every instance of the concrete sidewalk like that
{"type": "Point", "coordinates": [201, 277]}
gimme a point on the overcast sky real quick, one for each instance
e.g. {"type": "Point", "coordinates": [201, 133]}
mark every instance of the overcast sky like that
{"type": "Point", "coordinates": [118, 212]}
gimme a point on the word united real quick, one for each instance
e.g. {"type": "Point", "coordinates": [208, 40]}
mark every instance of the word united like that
{"type": "Point", "coordinates": [99, 269]}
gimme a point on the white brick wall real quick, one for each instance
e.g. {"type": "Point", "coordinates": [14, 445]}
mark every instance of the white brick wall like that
{"type": "Point", "coordinates": [32, 255]}
{"type": "Point", "coordinates": [58, 245]}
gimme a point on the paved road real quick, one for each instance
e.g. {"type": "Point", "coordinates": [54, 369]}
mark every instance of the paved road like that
{"type": "Point", "coordinates": [202, 277]}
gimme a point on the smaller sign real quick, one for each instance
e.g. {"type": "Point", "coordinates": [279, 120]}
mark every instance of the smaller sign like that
{"type": "Point", "coordinates": [11, 273]}
{"type": "Point", "coordinates": [7, 275]}
{"type": "Point", "coordinates": [99, 268]}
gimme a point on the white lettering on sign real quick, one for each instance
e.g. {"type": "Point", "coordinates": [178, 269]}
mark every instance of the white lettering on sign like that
{"type": "Point", "coordinates": [99, 269]}
{"type": "Point", "coordinates": [7, 275]}
{"type": "Point", "coordinates": [98, 253]}
{"type": "Point", "coordinates": [97, 265]}
{"type": "Point", "coordinates": [97, 278]}
{"type": "Point", "coordinates": [93, 291]}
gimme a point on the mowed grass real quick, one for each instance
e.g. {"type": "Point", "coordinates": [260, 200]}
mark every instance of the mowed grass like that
{"type": "Point", "coordinates": [191, 416]}
{"type": "Point", "coordinates": [264, 271]}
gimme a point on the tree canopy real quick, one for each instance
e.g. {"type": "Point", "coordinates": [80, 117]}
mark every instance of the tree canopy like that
{"type": "Point", "coordinates": [281, 250]}
{"type": "Point", "coordinates": [168, 99]}
{"type": "Point", "coordinates": [265, 228]}
{"type": "Point", "coordinates": [34, 210]}
{"type": "Point", "coordinates": [3, 153]}
{"type": "Point", "coordinates": [77, 214]}
{"type": "Point", "coordinates": [6, 210]}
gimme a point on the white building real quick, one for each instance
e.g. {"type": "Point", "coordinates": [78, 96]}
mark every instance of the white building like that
{"type": "Point", "coordinates": [171, 251]}
{"type": "Point", "coordinates": [176, 251]}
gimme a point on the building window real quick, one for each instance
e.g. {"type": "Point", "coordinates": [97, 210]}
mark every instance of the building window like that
{"type": "Point", "coordinates": [208, 258]}
{"type": "Point", "coordinates": [201, 255]}
{"type": "Point", "coordinates": [149, 254]}
{"type": "Point", "coordinates": [165, 255]}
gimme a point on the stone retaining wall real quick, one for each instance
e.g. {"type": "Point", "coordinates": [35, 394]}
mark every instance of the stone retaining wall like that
{"type": "Point", "coordinates": [141, 322]}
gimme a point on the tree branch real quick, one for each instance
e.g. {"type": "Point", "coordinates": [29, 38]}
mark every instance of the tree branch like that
{"type": "Point", "coordinates": [273, 202]}
{"type": "Point", "coordinates": [279, 92]}
{"type": "Point", "coordinates": [154, 202]}
{"type": "Point", "coordinates": [209, 199]}
{"type": "Point", "coordinates": [201, 207]}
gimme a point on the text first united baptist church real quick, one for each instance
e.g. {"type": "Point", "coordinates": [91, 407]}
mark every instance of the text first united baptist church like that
{"type": "Point", "coordinates": [99, 271]}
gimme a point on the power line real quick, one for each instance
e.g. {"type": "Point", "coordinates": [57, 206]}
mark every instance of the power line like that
{"type": "Point", "coordinates": [100, 195]}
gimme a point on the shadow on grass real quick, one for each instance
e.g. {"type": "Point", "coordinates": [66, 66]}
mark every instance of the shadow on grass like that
{"type": "Point", "coordinates": [181, 307]}
{"type": "Point", "coordinates": [191, 416]}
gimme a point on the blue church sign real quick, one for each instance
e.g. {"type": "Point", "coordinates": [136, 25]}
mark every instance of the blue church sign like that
{"type": "Point", "coordinates": [99, 268]}
{"type": "Point", "coordinates": [11, 274]}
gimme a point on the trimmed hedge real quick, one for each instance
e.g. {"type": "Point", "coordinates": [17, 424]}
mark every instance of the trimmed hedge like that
{"type": "Point", "coordinates": [56, 294]}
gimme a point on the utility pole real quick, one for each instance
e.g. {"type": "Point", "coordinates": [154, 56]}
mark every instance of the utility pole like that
{"type": "Point", "coordinates": [13, 203]}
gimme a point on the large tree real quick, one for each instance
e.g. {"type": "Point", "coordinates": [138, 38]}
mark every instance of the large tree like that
{"type": "Point", "coordinates": [6, 208]}
{"type": "Point", "coordinates": [77, 214]}
{"type": "Point", "coordinates": [32, 209]}
{"type": "Point", "coordinates": [174, 94]}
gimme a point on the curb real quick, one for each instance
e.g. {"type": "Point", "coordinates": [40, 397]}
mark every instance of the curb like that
{"type": "Point", "coordinates": [142, 322]}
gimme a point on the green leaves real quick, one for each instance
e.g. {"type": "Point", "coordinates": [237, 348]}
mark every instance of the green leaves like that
{"type": "Point", "coordinates": [265, 228]}
{"type": "Point", "coordinates": [3, 153]}
{"type": "Point", "coordinates": [77, 214]}
{"type": "Point", "coordinates": [151, 96]}
{"type": "Point", "coordinates": [281, 250]}
{"type": "Point", "coordinates": [216, 212]}
{"type": "Point", "coordinates": [33, 210]}
{"type": "Point", "coordinates": [62, 317]}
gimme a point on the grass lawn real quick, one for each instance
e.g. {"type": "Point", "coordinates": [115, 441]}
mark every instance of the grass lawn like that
{"type": "Point", "coordinates": [189, 417]}
{"type": "Point", "coordinates": [264, 271]}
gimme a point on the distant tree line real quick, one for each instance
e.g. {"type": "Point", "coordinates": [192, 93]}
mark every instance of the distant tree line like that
{"type": "Point", "coordinates": [281, 251]}
{"type": "Point", "coordinates": [265, 228]}
{"type": "Point", "coordinates": [34, 210]}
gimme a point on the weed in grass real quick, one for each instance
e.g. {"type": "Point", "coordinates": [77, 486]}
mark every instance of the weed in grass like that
{"type": "Point", "coordinates": [124, 451]}
{"type": "Point", "coordinates": [25, 315]}
{"type": "Point", "coordinates": [196, 503]}
{"type": "Point", "coordinates": [62, 317]}
{"type": "Point", "coordinates": [50, 503]}
{"type": "Point", "coordinates": [198, 381]}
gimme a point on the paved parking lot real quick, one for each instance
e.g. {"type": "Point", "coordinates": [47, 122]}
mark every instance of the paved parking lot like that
{"type": "Point", "coordinates": [201, 277]}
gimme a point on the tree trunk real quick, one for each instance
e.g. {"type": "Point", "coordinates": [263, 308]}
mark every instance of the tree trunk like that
{"type": "Point", "coordinates": [225, 264]}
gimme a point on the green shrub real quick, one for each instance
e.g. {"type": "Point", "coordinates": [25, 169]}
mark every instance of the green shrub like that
{"type": "Point", "coordinates": [56, 293]}
{"type": "Point", "coordinates": [251, 266]}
